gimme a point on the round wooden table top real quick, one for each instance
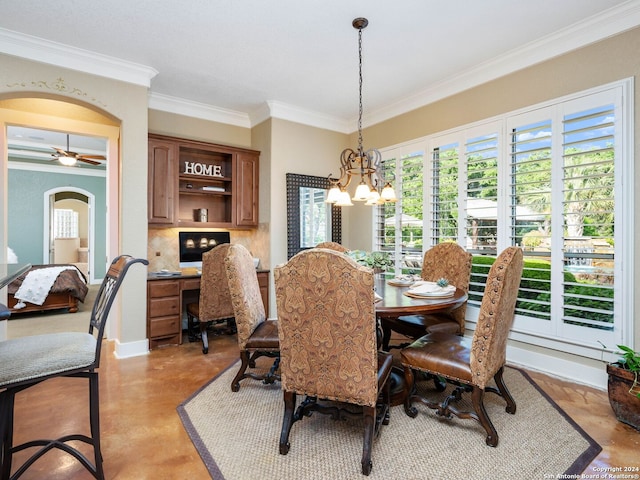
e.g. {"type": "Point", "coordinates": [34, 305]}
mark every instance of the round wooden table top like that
{"type": "Point", "coordinates": [395, 303]}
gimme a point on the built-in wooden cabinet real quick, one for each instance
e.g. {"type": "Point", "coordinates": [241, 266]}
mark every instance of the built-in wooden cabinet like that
{"type": "Point", "coordinates": [163, 157]}
{"type": "Point", "coordinates": [189, 179]}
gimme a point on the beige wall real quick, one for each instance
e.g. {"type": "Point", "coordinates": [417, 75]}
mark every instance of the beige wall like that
{"type": "Point", "coordinates": [299, 149]}
{"type": "Point", "coordinates": [164, 123]}
{"type": "Point", "coordinates": [122, 103]}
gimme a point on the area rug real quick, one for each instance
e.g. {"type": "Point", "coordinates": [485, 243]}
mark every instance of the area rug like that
{"type": "Point", "coordinates": [237, 436]}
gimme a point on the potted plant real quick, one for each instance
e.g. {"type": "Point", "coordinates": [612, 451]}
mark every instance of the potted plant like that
{"type": "Point", "coordinates": [379, 261]}
{"type": "Point", "coordinates": [623, 387]}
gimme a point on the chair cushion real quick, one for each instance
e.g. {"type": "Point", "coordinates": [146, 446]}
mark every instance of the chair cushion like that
{"type": "Point", "coordinates": [442, 354]}
{"type": "Point", "coordinates": [193, 309]}
{"type": "Point", "coordinates": [265, 336]}
{"type": "Point", "coordinates": [38, 356]}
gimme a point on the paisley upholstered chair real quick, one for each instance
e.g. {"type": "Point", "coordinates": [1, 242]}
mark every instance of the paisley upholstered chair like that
{"type": "Point", "coordinates": [333, 246]}
{"type": "Point", "coordinates": [444, 260]}
{"type": "Point", "coordinates": [257, 336]}
{"type": "Point", "coordinates": [327, 328]}
{"type": "Point", "coordinates": [214, 305]}
{"type": "Point", "coordinates": [471, 363]}
{"type": "Point", "coordinates": [28, 361]}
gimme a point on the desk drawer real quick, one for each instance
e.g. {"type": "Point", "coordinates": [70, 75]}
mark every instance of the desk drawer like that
{"type": "Point", "coordinates": [164, 288]}
{"type": "Point", "coordinates": [164, 326]}
{"type": "Point", "coordinates": [191, 284]}
{"type": "Point", "coordinates": [159, 307]}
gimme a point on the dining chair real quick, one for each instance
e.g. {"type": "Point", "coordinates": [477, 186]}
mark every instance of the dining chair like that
{"type": "Point", "coordinates": [470, 364]}
{"type": "Point", "coordinates": [333, 246]}
{"type": "Point", "coordinates": [257, 335]}
{"type": "Point", "coordinates": [28, 361]}
{"type": "Point", "coordinates": [328, 349]}
{"type": "Point", "coordinates": [444, 260]}
{"type": "Point", "coordinates": [214, 304]}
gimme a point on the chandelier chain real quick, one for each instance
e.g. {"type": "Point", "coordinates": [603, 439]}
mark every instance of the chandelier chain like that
{"type": "Point", "coordinates": [360, 150]}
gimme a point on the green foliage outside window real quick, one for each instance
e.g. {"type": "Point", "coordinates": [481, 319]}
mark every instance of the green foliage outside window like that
{"type": "Point", "coordinates": [595, 301]}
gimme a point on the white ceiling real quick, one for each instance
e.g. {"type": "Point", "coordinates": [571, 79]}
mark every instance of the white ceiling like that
{"type": "Point", "coordinates": [298, 57]}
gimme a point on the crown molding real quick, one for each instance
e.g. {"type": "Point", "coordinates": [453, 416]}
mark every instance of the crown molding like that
{"type": "Point", "coordinates": [54, 53]}
{"type": "Point", "coordinates": [61, 169]}
{"type": "Point", "coordinates": [203, 111]}
{"type": "Point", "coordinates": [292, 113]}
{"type": "Point", "coordinates": [592, 30]}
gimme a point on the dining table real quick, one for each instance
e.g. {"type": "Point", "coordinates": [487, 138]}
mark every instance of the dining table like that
{"type": "Point", "coordinates": [393, 301]}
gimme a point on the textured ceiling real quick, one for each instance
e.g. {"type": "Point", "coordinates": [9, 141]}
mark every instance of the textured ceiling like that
{"type": "Point", "coordinates": [238, 55]}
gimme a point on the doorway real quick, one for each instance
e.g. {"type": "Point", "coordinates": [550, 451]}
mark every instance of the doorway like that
{"type": "Point", "coordinates": [69, 229]}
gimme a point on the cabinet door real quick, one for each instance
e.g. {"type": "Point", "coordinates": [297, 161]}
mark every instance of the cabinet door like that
{"type": "Point", "coordinates": [162, 181]}
{"type": "Point", "coordinates": [246, 188]}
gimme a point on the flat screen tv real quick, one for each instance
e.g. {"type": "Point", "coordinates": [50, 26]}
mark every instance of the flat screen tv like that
{"type": "Point", "coordinates": [194, 244]}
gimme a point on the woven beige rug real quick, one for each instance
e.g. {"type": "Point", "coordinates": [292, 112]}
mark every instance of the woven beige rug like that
{"type": "Point", "coordinates": [237, 436]}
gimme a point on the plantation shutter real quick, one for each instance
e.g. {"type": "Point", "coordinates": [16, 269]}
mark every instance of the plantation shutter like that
{"type": "Point", "coordinates": [401, 222]}
{"type": "Point", "coordinates": [444, 194]}
{"type": "Point", "coordinates": [589, 196]}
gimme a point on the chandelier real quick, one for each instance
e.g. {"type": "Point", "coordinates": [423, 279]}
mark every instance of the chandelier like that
{"type": "Point", "coordinates": [366, 164]}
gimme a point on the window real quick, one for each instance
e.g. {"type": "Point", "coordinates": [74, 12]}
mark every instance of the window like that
{"type": "Point", "coordinates": [65, 223]}
{"type": "Point", "coordinates": [315, 217]}
{"type": "Point", "coordinates": [550, 180]}
{"type": "Point", "coordinates": [399, 225]}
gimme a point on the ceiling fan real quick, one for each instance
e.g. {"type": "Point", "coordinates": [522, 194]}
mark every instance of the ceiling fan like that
{"type": "Point", "coordinates": [69, 158]}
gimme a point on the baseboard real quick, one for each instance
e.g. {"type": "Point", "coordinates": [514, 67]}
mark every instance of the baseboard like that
{"type": "Point", "coordinates": [131, 349]}
{"type": "Point", "coordinates": [572, 371]}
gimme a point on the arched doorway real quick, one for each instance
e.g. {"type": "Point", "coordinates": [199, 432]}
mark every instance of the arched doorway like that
{"type": "Point", "coordinates": [69, 228]}
{"type": "Point", "coordinates": [66, 115]}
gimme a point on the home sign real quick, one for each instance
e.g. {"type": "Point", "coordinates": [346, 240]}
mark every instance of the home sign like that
{"type": "Point", "coordinates": [203, 169]}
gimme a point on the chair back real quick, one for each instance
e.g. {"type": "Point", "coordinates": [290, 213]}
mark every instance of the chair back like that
{"type": "Point", "coordinates": [106, 294]}
{"type": "Point", "coordinates": [449, 260]}
{"type": "Point", "coordinates": [215, 299]}
{"type": "Point", "coordinates": [245, 292]}
{"type": "Point", "coordinates": [333, 246]}
{"type": "Point", "coordinates": [327, 327]}
{"type": "Point", "coordinates": [489, 346]}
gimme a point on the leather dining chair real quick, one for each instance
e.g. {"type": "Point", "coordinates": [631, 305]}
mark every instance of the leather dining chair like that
{"type": "Point", "coordinates": [257, 335]}
{"type": "Point", "coordinates": [28, 361]}
{"type": "Point", "coordinates": [470, 364]}
{"type": "Point", "coordinates": [214, 304]}
{"type": "Point", "coordinates": [444, 260]}
{"type": "Point", "coordinates": [333, 246]}
{"type": "Point", "coordinates": [328, 350]}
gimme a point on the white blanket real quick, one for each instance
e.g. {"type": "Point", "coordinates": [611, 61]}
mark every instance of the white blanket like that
{"type": "Point", "coordinates": [36, 285]}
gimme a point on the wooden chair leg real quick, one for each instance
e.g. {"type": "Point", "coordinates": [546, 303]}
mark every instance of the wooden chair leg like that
{"type": "Point", "coordinates": [409, 392]}
{"type": "Point", "coordinates": [386, 335]}
{"type": "Point", "coordinates": [244, 359]}
{"type": "Point", "coordinates": [287, 421]}
{"type": "Point", "coordinates": [477, 397]}
{"type": "Point", "coordinates": [369, 417]}
{"type": "Point", "coordinates": [504, 392]}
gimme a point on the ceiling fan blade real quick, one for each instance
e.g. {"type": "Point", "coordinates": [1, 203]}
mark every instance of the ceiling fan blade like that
{"type": "Point", "coordinates": [86, 160]}
{"type": "Point", "coordinates": [95, 157]}
{"type": "Point", "coordinates": [60, 151]}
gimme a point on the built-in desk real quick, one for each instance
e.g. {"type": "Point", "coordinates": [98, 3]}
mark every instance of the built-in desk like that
{"type": "Point", "coordinates": [166, 303]}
